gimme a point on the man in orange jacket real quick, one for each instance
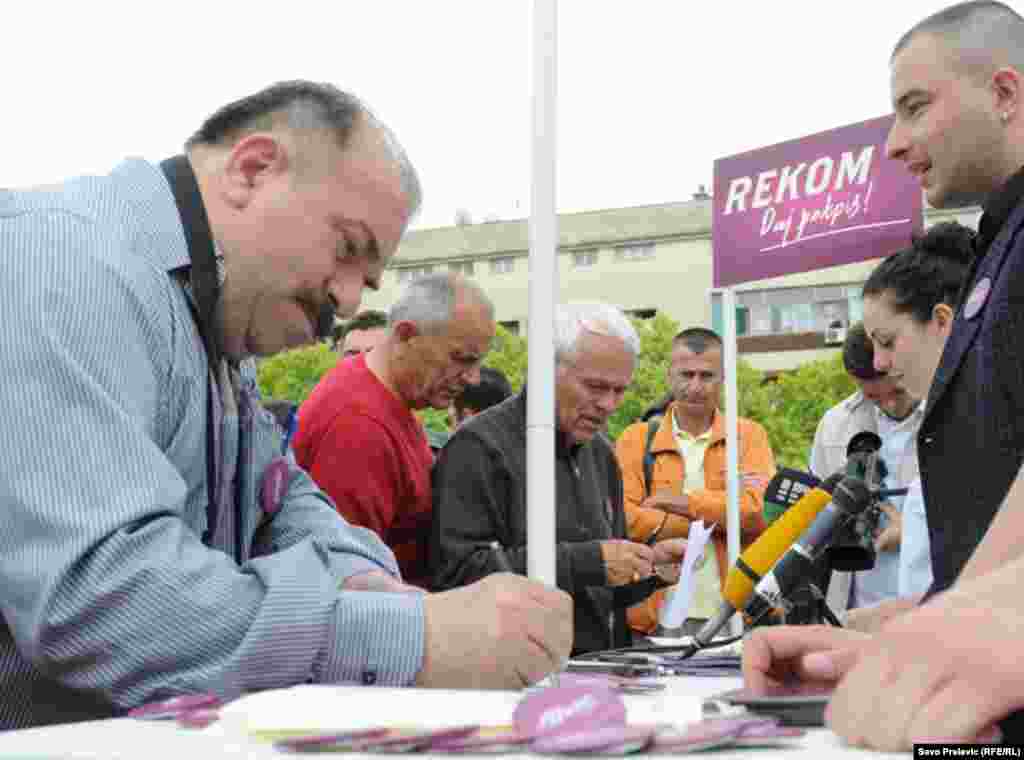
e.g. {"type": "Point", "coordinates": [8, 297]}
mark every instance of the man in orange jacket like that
{"type": "Point", "coordinates": [688, 474]}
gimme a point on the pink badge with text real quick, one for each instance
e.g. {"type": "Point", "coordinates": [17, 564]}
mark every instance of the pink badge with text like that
{"type": "Point", "coordinates": [275, 478]}
{"type": "Point", "coordinates": [605, 740]}
{"type": "Point", "coordinates": [569, 709]}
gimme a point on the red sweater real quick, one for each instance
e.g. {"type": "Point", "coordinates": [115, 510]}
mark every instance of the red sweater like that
{"type": "Point", "coordinates": [369, 453]}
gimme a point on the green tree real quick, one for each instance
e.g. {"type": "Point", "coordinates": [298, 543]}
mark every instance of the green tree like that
{"type": "Point", "coordinates": [508, 355]}
{"type": "Point", "coordinates": [292, 375]}
{"type": "Point", "coordinates": [650, 379]}
{"type": "Point", "coordinates": [791, 407]}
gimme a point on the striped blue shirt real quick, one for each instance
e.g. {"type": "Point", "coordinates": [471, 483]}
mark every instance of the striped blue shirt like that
{"type": "Point", "coordinates": [108, 596]}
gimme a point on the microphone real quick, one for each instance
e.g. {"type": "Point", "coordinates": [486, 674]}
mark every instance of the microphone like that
{"type": "Point", "coordinates": [784, 490]}
{"type": "Point", "coordinates": [761, 555]}
{"type": "Point", "coordinates": [849, 499]}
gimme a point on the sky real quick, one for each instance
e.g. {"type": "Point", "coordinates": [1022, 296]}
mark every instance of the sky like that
{"type": "Point", "coordinates": [650, 92]}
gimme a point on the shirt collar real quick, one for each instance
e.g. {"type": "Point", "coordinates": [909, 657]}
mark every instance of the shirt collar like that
{"type": "Point", "coordinates": [998, 208]}
{"type": "Point", "coordinates": [679, 433]}
{"type": "Point", "coordinates": [881, 418]}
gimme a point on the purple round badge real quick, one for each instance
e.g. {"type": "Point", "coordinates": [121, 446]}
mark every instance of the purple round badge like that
{"type": "Point", "coordinates": [486, 739]}
{"type": "Point", "coordinates": [698, 736]}
{"type": "Point", "coordinates": [408, 740]}
{"type": "Point", "coordinates": [569, 709]}
{"type": "Point", "coordinates": [273, 487]}
{"type": "Point", "coordinates": [768, 735]}
{"type": "Point", "coordinates": [170, 709]}
{"type": "Point", "coordinates": [610, 740]}
{"type": "Point", "coordinates": [977, 298]}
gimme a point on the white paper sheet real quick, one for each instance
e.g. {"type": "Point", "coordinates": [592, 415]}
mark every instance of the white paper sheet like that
{"type": "Point", "coordinates": [311, 709]}
{"type": "Point", "coordinates": [677, 600]}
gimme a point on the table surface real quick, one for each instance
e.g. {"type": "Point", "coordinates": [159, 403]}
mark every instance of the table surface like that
{"type": "Point", "coordinates": [159, 740]}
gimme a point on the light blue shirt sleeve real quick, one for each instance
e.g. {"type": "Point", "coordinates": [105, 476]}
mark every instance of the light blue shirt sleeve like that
{"type": "Point", "coordinates": [105, 584]}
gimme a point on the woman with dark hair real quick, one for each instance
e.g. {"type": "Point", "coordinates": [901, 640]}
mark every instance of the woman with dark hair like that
{"type": "Point", "coordinates": [909, 303]}
{"type": "Point", "coordinates": [910, 300]}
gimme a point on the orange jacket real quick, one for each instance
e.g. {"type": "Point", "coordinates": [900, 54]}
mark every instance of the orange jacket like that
{"type": "Point", "coordinates": [757, 466]}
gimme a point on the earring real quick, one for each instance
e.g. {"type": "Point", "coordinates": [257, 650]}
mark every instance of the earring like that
{"type": "Point", "coordinates": [1005, 116]}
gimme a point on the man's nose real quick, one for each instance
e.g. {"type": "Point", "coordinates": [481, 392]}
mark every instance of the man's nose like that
{"type": "Point", "coordinates": [607, 401]}
{"type": "Point", "coordinates": [881, 361]}
{"type": "Point", "coordinates": [345, 303]}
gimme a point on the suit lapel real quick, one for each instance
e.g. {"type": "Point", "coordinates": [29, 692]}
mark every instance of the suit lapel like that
{"type": "Point", "coordinates": [969, 321]}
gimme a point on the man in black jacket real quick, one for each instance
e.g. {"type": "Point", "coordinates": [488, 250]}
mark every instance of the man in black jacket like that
{"type": "Point", "coordinates": [479, 486]}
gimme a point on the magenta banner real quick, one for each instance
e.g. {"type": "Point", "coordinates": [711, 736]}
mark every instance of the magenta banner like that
{"type": "Point", "coordinates": [823, 200]}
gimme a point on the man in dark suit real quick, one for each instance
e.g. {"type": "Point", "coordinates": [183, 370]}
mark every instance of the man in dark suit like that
{"type": "Point", "coordinates": [949, 667]}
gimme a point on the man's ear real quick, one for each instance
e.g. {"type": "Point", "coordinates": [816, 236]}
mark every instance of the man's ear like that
{"type": "Point", "coordinates": [253, 161]}
{"type": "Point", "coordinates": [405, 331]}
{"type": "Point", "coordinates": [1006, 83]}
{"type": "Point", "coordinates": [942, 315]}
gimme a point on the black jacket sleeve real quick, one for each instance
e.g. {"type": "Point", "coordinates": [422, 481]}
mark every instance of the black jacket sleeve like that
{"type": "Point", "coordinates": [630, 593]}
{"type": "Point", "coordinates": [477, 501]}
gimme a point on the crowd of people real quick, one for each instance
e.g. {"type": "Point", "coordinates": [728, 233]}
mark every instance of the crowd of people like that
{"type": "Point", "coordinates": [171, 535]}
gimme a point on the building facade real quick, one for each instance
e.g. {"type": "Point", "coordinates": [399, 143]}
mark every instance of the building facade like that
{"type": "Point", "coordinates": [649, 260]}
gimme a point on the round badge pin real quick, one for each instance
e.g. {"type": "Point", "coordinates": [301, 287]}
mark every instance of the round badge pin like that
{"type": "Point", "coordinates": [275, 483]}
{"type": "Point", "coordinates": [977, 298]}
{"type": "Point", "coordinates": [569, 709]}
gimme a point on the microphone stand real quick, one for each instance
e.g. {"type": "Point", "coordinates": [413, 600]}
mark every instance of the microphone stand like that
{"type": "Point", "coordinates": [806, 604]}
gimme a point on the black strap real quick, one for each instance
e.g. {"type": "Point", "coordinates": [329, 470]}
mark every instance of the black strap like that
{"type": "Point", "coordinates": [652, 428]}
{"type": "Point", "coordinates": [199, 239]}
{"type": "Point", "coordinates": [206, 291]}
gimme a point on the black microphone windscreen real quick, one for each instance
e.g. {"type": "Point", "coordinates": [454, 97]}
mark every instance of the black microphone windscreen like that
{"type": "Point", "coordinates": [864, 442]}
{"type": "Point", "coordinates": [852, 495]}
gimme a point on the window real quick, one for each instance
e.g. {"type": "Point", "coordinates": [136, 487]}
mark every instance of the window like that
{"type": "Point", "coordinates": [759, 319]}
{"type": "Point", "coordinates": [743, 324]}
{"type": "Point", "coordinates": [742, 320]}
{"type": "Point", "coordinates": [635, 252]}
{"type": "Point", "coordinates": [408, 274]}
{"type": "Point", "coordinates": [584, 259]}
{"type": "Point", "coordinates": [465, 268]}
{"type": "Point", "coordinates": [502, 265]}
{"type": "Point", "coordinates": [793, 319]}
{"type": "Point", "coordinates": [779, 311]}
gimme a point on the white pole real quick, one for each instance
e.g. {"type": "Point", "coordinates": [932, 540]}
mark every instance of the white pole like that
{"type": "Point", "coordinates": [732, 482]}
{"type": "Point", "coordinates": [540, 411]}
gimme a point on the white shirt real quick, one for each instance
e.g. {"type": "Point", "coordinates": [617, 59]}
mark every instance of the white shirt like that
{"type": "Point", "coordinates": [915, 574]}
{"type": "Point", "coordinates": [707, 590]}
{"type": "Point", "coordinates": [882, 582]}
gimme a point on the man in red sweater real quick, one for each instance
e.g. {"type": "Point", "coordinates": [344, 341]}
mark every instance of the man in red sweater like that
{"type": "Point", "coordinates": [359, 438]}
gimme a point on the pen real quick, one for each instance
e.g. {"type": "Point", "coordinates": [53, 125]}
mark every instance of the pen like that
{"type": "Point", "coordinates": [504, 566]}
{"type": "Point", "coordinates": [500, 558]}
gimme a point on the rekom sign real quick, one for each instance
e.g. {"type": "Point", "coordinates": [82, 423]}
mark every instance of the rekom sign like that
{"type": "Point", "coordinates": [823, 200]}
{"type": "Point", "coordinates": [827, 199]}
